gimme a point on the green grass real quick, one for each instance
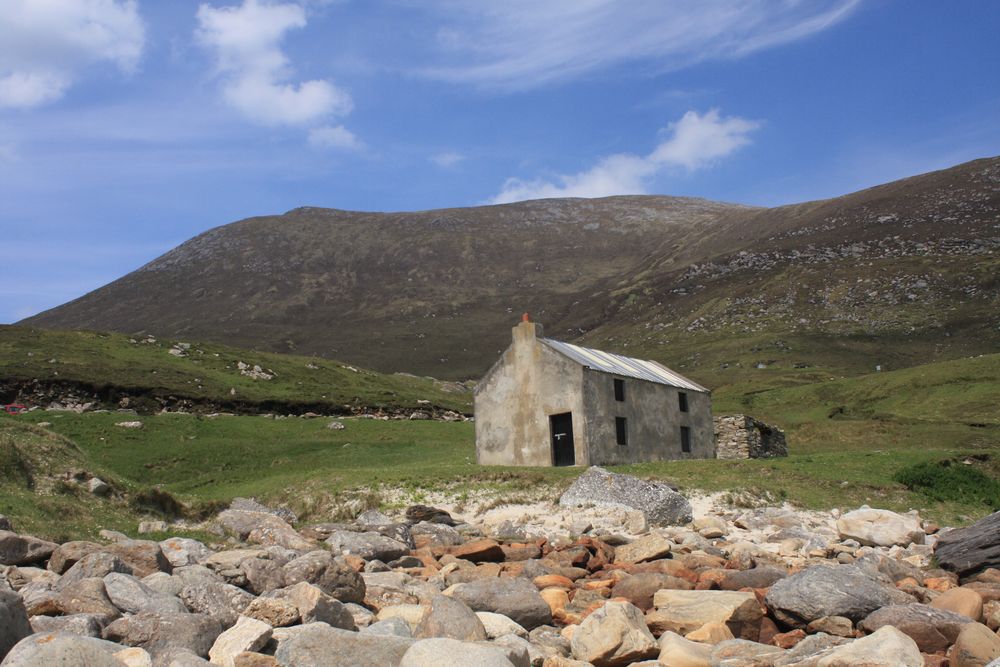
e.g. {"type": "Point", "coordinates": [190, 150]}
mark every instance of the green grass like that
{"type": "Point", "coordinates": [112, 364]}
{"type": "Point", "coordinates": [852, 441]}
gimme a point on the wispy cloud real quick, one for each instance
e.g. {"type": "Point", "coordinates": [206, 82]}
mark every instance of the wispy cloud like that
{"type": "Point", "coordinates": [693, 142]}
{"type": "Point", "coordinates": [45, 46]}
{"type": "Point", "coordinates": [520, 44]}
{"type": "Point", "coordinates": [246, 40]}
{"type": "Point", "coordinates": [338, 137]}
{"type": "Point", "coordinates": [447, 159]}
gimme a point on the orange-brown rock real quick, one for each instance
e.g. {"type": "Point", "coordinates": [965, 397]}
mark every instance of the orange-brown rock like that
{"type": "Point", "coordinates": [556, 598]}
{"type": "Point", "coordinates": [963, 600]}
{"type": "Point", "coordinates": [597, 584]}
{"type": "Point", "coordinates": [356, 563]}
{"type": "Point", "coordinates": [768, 630]}
{"type": "Point", "coordinates": [939, 583]}
{"type": "Point", "coordinates": [479, 551]}
{"type": "Point", "coordinates": [711, 633]}
{"type": "Point", "coordinates": [989, 592]}
{"type": "Point", "coordinates": [552, 580]}
{"type": "Point", "coordinates": [519, 553]}
{"type": "Point", "coordinates": [787, 640]}
{"type": "Point", "coordinates": [934, 660]}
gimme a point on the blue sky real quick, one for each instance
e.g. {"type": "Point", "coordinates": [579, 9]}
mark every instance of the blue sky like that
{"type": "Point", "coordinates": [129, 127]}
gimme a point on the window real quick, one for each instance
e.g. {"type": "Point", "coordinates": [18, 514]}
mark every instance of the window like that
{"type": "Point", "coordinates": [619, 390]}
{"type": "Point", "coordinates": [682, 401]}
{"type": "Point", "coordinates": [685, 439]}
{"type": "Point", "coordinates": [621, 430]}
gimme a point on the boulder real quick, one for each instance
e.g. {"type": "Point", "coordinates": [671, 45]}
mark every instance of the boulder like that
{"type": "Point", "coordinates": [319, 645]}
{"type": "Point", "coordinates": [247, 635]}
{"type": "Point", "coordinates": [677, 651]}
{"type": "Point", "coordinates": [743, 653]}
{"type": "Point", "coordinates": [683, 612]}
{"type": "Point", "coordinates": [275, 612]}
{"type": "Point", "coordinates": [370, 546]}
{"type": "Point", "coordinates": [158, 632]}
{"type": "Point", "coordinates": [53, 648]}
{"type": "Point", "coordinates": [429, 534]}
{"type": "Point", "coordinates": [144, 556]}
{"type": "Point", "coordinates": [272, 531]}
{"type": "Point", "coordinates": [498, 625]}
{"type": "Point", "coordinates": [975, 646]}
{"type": "Point", "coordinates": [131, 596]}
{"type": "Point", "coordinates": [450, 618]}
{"type": "Point", "coordinates": [87, 596]}
{"type": "Point", "coordinates": [640, 588]}
{"type": "Point", "coordinates": [961, 600]}
{"type": "Point", "coordinates": [420, 513]}
{"type": "Point", "coordinates": [659, 503]}
{"type": "Point", "coordinates": [83, 625]}
{"type": "Point", "coordinates": [479, 551]}
{"type": "Point", "coordinates": [68, 554]}
{"type": "Point", "coordinates": [887, 647]}
{"type": "Point", "coordinates": [443, 652]}
{"type": "Point", "coordinates": [394, 626]}
{"type": "Point", "coordinates": [23, 549]}
{"type": "Point", "coordinates": [223, 602]}
{"type": "Point", "coordinates": [648, 547]}
{"type": "Point", "coordinates": [313, 605]}
{"type": "Point", "coordinates": [971, 549]}
{"type": "Point", "coordinates": [262, 575]}
{"type": "Point", "coordinates": [96, 565]}
{"type": "Point", "coordinates": [181, 551]}
{"type": "Point", "coordinates": [14, 624]}
{"type": "Point", "coordinates": [614, 636]}
{"type": "Point", "coordinates": [758, 577]}
{"type": "Point", "coordinates": [334, 576]}
{"type": "Point", "coordinates": [514, 597]}
{"type": "Point", "coordinates": [932, 629]}
{"type": "Point", "coordinates": [880, 528]}
{"type": "Point", "coordinates": [840, 590]}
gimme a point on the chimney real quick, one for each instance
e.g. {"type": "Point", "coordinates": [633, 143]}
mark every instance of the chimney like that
{"type": "Point", "coordinates": [527, 331]}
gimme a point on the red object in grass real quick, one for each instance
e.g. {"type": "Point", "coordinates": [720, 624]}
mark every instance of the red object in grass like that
{"type": "Point", "coordinates": [15, 408]}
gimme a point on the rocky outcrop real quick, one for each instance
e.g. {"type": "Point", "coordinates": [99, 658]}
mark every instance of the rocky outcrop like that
{"type": "Point", "coordinates": [743, 437]}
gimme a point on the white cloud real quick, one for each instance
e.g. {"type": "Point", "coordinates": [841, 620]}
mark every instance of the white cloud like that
{"type": "Point", "coordinates": [337, 136]}
{"type": "Point", "coordinates": [247, 42]}
{"type": "Point", "coordinates": [693, 142]}
{"type": "Point", "coordinates": [519, 44]}
{"type": "Point", "coordinates": [45, 46]}
{"type": "Point", "coordinates": [447, 159]}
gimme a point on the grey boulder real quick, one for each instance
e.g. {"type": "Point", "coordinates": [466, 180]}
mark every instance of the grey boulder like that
{"type": "Point", "coordinates": [132, 596]}
{"type": "Point", "coordinates": [14, 625]}
{"type": "Point", "coordinates": [334, 576]}
{"type": "Point", "coordinates": [842, 590]}
{"type": "Point", "coordinates": [443, 652]}
{"type": "Point", "coordinates": [159, 632]}
{"type": "Point", "coordinates": [514, 597]}
{"type": "Point", "coordinates": [450, 618]}
{"type": "Point", "coordinates": [84, 625]}
{"type": "Point", "coordinates": [53, 648]}
{"type": "Point", "coordinates": [659, 502]}
{"type": "Point", "coordinates": [223, 602]}
{"type": "Point", "coordinates": [23, 549]}
{"type": "Point", "coordinates": [319, 645]}
{"type": "Point", "coordinates": [370, 545]}
{"type": "Point", "coordinates": [932, 629]}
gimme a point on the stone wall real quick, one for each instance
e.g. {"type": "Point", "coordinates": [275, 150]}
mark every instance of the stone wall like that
{"type": "Point", "coordinates": [743, 437]}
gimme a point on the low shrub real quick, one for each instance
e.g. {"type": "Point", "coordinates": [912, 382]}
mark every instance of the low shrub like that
{"type": "Point", "coordinates": [951, 480]}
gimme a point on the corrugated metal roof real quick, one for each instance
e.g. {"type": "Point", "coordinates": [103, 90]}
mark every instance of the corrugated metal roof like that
{"type": "Point", "coordinates": [616, 364]}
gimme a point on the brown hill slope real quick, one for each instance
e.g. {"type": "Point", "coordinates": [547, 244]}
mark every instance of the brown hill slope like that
{"type": "Point", "coordinates": [896, 274]}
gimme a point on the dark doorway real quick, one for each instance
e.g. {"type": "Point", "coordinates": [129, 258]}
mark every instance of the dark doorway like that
{"type": "Point", "coordinates": [561, 427]}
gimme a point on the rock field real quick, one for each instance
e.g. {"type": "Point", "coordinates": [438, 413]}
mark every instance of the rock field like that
{"type": "Point", "coordinates": [621, 572]}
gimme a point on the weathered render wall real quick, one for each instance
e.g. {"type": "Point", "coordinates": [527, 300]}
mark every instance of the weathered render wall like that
{"type": "Point", "coordinates": [515, 398]}
{"type": "Point", "coordinates": [654, 421]}
{"type": "Point", "coordinates": [743, 437]}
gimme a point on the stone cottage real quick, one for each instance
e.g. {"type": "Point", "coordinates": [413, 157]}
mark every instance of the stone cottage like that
{"type": "Point", "coordinates": [549, 403]}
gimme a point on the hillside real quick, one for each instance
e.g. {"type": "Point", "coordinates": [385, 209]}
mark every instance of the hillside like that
{"type": "Point", "coordinates": [38, 367]}
{"type": "Point", "coordinates": [896, 275]}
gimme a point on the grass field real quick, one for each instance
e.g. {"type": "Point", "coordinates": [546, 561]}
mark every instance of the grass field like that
{"type": "Point", "coordinates": [849, 438]}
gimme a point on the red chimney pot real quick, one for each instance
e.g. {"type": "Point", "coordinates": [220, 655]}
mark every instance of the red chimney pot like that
{"type": "Point", "coordinates": [524, 318]}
